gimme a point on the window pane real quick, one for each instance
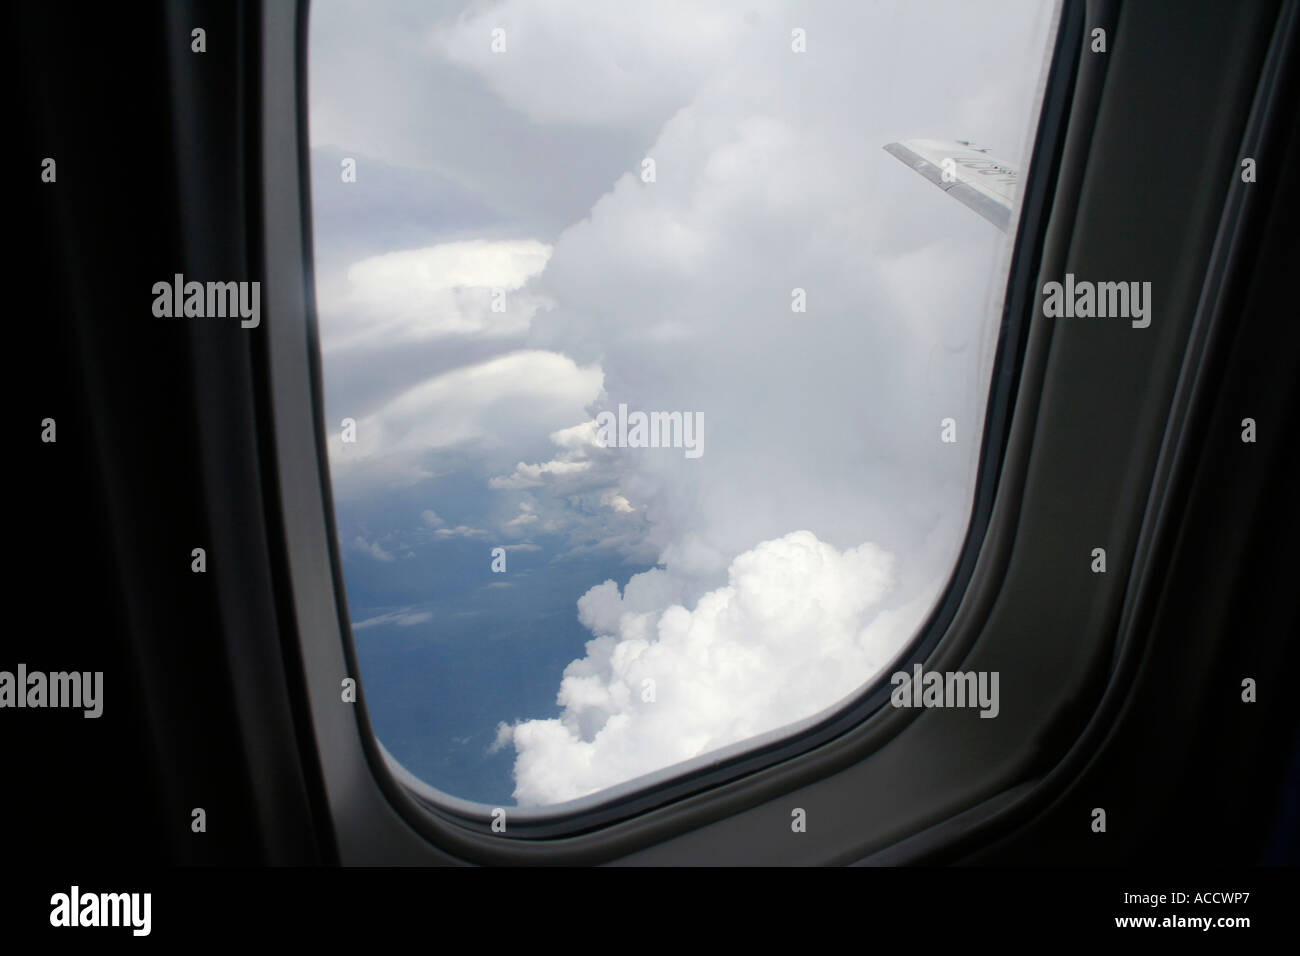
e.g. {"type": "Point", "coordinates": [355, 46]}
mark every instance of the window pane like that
{"type": "Point", "coordinates": [654, 381]}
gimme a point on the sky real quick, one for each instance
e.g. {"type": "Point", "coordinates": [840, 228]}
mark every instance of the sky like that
{"type": "Point", "coordinates": [621, 205]}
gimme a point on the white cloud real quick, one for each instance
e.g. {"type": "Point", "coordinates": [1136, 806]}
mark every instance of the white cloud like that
{"type": "Point", "coordinates": [530, 476]}
{"type": "Point", "coordinates": [826, 420]}
{"type": "Point", "coordinates": [373, 548]}
{"type": "Point", "coordinates": [456, 288]}
{"type": "Point", "coordinates": [571, 61]}
{"type": "Point", "coordinates": [612, 499]}
{"type": "Point", "coordinates": [507, 402]}
{"type": "Point", "coordinates": [795, 629]}
{"type": "Point", "coordinates": [405, 617]}
{"type": "Point", "coordinates": [460, 531]}
{"type": "Point", "coordinates": [576, 436]}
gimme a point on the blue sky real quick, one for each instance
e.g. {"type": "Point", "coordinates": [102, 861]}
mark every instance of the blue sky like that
{"type": "Point", "coordinates": [448, 648]}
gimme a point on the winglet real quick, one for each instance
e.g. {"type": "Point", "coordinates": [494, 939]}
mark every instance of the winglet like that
{"type": "Point", "coordinates": [979, 180]}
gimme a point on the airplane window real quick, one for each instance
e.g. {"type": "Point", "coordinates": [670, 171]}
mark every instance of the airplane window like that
{"type": "Point", "coordinates": [654, 377]}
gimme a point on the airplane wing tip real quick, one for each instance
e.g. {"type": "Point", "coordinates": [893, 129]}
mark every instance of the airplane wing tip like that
{"type": "Point", "coordinates": [991, 206]}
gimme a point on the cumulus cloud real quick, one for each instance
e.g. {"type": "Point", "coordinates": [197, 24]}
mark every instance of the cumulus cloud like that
{"type": "Point", "coordinates": [825, 420]}
{"type": "Point", "coordinates": [681, 289]}
{"type": "Point", "coordinates": [795, 628]}
{"type": "Point", "coordinates": [373, 548]}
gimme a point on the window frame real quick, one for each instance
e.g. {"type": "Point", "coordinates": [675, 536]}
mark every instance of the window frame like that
{"type": "Point", "coordinates": [377, 808]}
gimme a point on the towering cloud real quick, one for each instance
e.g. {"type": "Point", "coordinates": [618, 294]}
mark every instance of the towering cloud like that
{"type": "Point", "coordinates": [797, 627]}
